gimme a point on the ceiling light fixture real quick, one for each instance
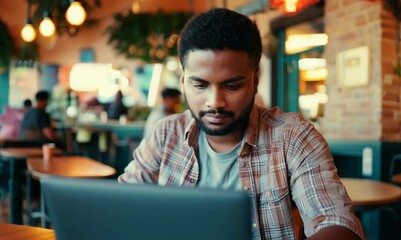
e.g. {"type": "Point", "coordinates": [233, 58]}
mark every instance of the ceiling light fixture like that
{"type": "Point", "coordinates": [28, 32]}
{"type": "Point", "coordinates": [75, 14]}
{"type": "Point", "coordinates": [136, 7]}
{"type": "Point", "coordinates": [291, 6]}
{"type": "Point", "coordinates": [46, 26]}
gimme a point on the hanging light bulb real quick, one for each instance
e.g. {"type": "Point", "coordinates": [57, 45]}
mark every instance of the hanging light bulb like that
{"type": "Point", "coordinates": [75, 14]}
{"type": "Point", "coordinates": [28, 33]}
{"type": "Point", "coordinates": [47, 27]}
{"type": "Point", "coordinates": [291, 6]}
{"type": "Point", "coordinates": [136, 7]}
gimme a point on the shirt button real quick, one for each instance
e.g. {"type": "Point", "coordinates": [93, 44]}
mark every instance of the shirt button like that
{"type": "Point", "coordinates": [191, 180]}
{"type": "Point", "coordinates": [243, 164]}
{"type": "Point", "coordinates": [246, 188]}
{"type": "Point", "coordinates": [254, 225]}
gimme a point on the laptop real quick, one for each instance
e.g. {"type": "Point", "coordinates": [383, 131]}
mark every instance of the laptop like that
{"type": "Point", "coordinates": [104, 209]}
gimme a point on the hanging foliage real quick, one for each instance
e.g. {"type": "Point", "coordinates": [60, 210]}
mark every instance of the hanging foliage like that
{"type": "Point", "coordinates": [151, 37]}
{"type": "Point", "coordinates": [6, 46]}
{"type": "Point", "coordinates": [28, 54]}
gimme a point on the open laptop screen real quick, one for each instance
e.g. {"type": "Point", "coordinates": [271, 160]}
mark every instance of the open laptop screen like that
{"type": "Point", "coordinates": [104, 209]}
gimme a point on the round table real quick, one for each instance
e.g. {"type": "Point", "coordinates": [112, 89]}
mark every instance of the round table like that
{"type": "Point", "coordinates": [17, 159]}
{"type": "Point", "coordinates": [65, 166]}
{"type": "Point", "coordinates": [367, 192]}
{"type": "Point", "coordinates": [19, 232]}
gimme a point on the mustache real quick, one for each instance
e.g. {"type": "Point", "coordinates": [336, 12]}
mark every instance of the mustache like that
{"type": "Point", "coordinates": [213, 111]}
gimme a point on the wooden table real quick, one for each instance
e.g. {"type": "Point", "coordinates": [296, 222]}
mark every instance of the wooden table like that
{"type": "Point", "coordinates": [366, 192]}
{"type": "Point", "coordinates": [367, 195]}
{"type": "Point", "coordinates": [19, 232]}
{"type": "Point", "coordinates": [17, 159]}
{"type": "Point", "coordinates": [67, 166]}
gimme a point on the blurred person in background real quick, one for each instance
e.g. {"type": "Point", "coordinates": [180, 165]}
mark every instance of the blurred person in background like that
{"type": "Point", "coordinates": [117, 107]}
{"type": "Point", "coordinates": [36, 123]}
{"type": "Point", "coordinates": [171, 100]}
{"type": "Point", "coordinates": [27, 104]}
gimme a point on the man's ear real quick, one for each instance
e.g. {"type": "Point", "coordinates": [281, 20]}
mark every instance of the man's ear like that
{"type": "Point", "coordinates": [256, 79]}
{"type": "Point", "coordinates": [182, 81]}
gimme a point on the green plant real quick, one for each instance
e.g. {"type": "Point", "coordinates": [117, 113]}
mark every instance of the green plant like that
{"type": "Point", "coordinates": [28, 54]}
{"type": "Point", "coordinates": [151, 37]}
{"type": "Point", "coordinates": [6, 46]}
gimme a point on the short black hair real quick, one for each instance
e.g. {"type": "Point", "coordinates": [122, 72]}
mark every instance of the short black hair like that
{"type": "Point", "coordinates": [170, 92]}
{"type": "Point", "coordinates": [219, 29]}
{"type": "Point", "coordinates": [27, 103]}
{"type": "Point", "coordinates": [42, 95]}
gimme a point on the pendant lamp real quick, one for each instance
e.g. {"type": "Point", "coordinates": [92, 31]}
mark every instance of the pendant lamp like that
{"type": "Point", "coordinates": [28, 32]}
{"type": "Point", "coordinates": [291, 6]}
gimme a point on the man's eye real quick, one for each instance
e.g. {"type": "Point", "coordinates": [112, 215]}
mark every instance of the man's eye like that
{"type": "Point", "coordinates": [232, 86]}
{"type": "Point", "coordinates": [200, 85]}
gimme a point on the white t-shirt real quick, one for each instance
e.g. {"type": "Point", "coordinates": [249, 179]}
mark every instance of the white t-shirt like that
{"type": "Point", "coordinates": [218, 170]}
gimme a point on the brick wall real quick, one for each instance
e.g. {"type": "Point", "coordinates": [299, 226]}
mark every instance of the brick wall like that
{"type": "Point", "coordinates": [371, 111]}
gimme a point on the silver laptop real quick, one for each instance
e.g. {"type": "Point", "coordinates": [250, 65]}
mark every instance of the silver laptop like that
{"type": "Point", "coordinates": [97, 209]}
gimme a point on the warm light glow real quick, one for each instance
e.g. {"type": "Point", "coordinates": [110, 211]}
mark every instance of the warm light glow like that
{"type": "Point", "coordinates": [28, 33]}
{"type": "Point", "coordinates": [291, 6]}
{"type": "Point", "coordinates": [311, 63]}
{"type": "Point", "coordinates": [314, 74]}
{"type": "Point", "coordinates": [46, 27]}
{"type": "Point", "coordinates": [75, 14]}
{"type": "Point", "coordinates": [299, 42]}
{"type": "Point", "coordinates": [89, 77]}
{"type": "Point", "coordinates": [136, 8]}
{"type": "Point", "coordinates": [154, 84]}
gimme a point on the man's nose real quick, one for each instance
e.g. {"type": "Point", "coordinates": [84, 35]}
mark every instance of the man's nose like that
{"type": "Point", "coordinates": [216, 99]}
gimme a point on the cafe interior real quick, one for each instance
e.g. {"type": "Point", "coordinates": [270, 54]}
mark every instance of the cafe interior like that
{"type": "Point", "coordinates": [337, 62]}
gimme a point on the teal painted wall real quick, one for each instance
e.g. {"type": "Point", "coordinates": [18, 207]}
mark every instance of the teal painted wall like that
{"type": "Point", "coordinates": [4, 89]}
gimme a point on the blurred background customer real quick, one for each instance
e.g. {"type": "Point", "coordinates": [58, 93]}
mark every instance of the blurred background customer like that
{"type": "Point", "coordinates": [36, 124]}
{"type": "Point", "coordinates": [171, 101]}
{"type": "Point", "coordinates": [117, 107]}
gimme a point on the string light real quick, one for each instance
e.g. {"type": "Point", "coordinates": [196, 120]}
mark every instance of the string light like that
{"type": "Point", "coordinates": [47, 27]}
{"type": "Point", "coordinates": [75, 14]}
{"type": "Point", "coordinates": [136, 7]}
{"type": "Point", "coordinates": [28, 32]}
{"type": "Point", "coordinates": [291, 6]}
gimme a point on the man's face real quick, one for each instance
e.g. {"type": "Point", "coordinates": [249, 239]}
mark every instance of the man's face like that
{"type": "Point", "coordinates": [219, 87]}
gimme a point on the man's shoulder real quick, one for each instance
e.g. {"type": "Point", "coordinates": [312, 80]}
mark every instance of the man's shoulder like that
{"type": "Point", "coordinates": [178, 119]}
{"type": "Point", "coordinates": [276, 117]}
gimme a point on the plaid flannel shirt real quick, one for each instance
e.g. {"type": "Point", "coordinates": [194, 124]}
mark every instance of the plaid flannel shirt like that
{"type": "Point", "coordinates": [284, 160]}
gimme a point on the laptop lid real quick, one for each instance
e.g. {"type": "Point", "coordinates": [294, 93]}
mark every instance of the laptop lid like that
{"type": "Point", "coordinates": [104, 209]}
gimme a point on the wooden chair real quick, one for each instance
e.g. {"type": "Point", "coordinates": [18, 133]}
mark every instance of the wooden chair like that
{"type": "Point", "coordinates": [395, 169]}
{"type": "Point", "coordinates": [298, 224]}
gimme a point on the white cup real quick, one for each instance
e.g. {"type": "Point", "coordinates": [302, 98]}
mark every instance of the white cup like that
{"type": "Point", "coordinates": [103, 117]}
{"type": "Point", "coordinates": [123, 119]}
{"type": "Point", "coordinates": [48, 151]}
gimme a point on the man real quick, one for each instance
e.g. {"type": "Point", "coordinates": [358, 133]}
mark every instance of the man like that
{"type": "Point", "coordinates": [171, 99]}
{"type": "Point", "coordinates": [117, 107]}
{"type": "Point", "coordinates": [36, 123]}
{"type": "Point", "coordinates": [27, 104]}
{"type": "Point", "coordinates": [226, 141]}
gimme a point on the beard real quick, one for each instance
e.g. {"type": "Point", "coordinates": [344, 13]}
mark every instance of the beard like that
{"type": "Point", "coordinates": [238, 122]}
